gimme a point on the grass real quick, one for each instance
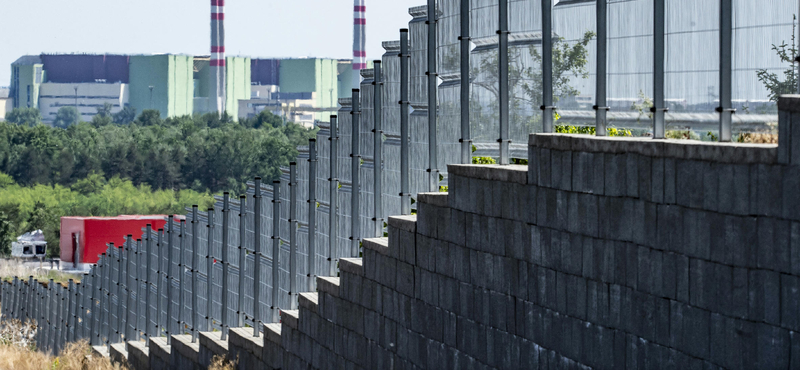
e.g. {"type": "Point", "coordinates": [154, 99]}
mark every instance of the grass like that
{"type": "Point", "coordinates": [221, 363]}
{"type": "Point", "coordinates": [9, 268]}
{"type": "Point", "coordinates": [18, 351]}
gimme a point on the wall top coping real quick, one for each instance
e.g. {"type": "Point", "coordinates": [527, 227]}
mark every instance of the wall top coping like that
{"type": "Point", "coordinates": [738, 153]}
{"type": "Point", "coordinates": [380, 245]}
{"type": "Point", "coordinates": [789, 103]}
{"type": "Point", "coordinates": [392, 46]}
{"type": "Point", "coordinates": [351, 265]}
{"type": "Point", "coordinates": [211, 340]}
{"type": "Point", "coordinates": [183, 345]}
{"type": "Point", "coordinates": [159, 348]}
{"type": "Point", "coordinates": [272, 333]}
{"type": "Point", "coordinates": [407, 222]}
{"type": "Point", "coordinates": [435, 199]}
{"type": "Point", "coordinates": [507, 173]}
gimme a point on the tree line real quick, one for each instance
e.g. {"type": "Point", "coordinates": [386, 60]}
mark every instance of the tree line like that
{"type": "Point", "coordinates": [200, 152]}
{"type": "Point", "coordinates": [127, 164]}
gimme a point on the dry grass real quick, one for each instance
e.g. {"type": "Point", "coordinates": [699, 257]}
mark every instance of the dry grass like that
{"type": "Point", "coordinates": [10, 268]}
{"type": "Point", "coordinates": [221, 363]}
{"type": "Point", "coordinates": [18, 352]}
{"type": "Point", "coordinates": [758, 138]}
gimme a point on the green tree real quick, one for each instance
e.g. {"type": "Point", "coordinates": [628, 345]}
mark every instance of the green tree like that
{"type": "Point", "coordinates": [149, 117]}
{"type": "Point", "coordinates": [66, 116]}
{"type": "Point", "coordinates": [103, 116]}
{"type": "Point", "coordinates": [24, 116]}
{"type": "Point", "coordinates": [125, 116]}
{"type": "Point", "coordinates": [570, 61]}
{"type": "Point", "coordinates": [787, 54]}
{"type": "Point", "coordinates": [7, 232]}
{"type": "Point", "coordinates": [263, 119]}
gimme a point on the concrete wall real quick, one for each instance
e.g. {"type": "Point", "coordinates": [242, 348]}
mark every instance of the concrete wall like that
{"type": "Point", "coordinates": [600, 253]}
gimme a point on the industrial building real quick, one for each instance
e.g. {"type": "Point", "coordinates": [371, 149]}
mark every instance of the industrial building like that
{"type": "Point", "coordinates": [300, 89]}
{"type": "Point", "coordinates": [5, 102]}
{"type": "Point", "coordinates": [83, 239]}
{"type": "Point", "coordinates": [303, 90]}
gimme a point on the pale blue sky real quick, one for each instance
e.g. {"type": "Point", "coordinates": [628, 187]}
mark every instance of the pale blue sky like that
{"type": "Point", "coordinates": [263, 28]}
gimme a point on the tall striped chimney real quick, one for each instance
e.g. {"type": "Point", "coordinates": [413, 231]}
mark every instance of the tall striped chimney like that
{"type": "Point", "coordinates": [359, 41]}
{"type": "Point", "coordinates": [216, 96]}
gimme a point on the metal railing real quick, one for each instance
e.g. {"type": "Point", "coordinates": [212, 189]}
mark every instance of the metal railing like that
{"type": "Point", "coordinates": [218, 271]}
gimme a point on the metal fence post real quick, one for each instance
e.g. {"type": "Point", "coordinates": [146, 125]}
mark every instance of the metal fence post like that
{"type": "Point", "coordinates": [85, 295]}
{"type": "Point", "coordinates": [502, 64]}
{"type": "Point", "coordinates": [355, 169]}
{"type": "Point", "coordinates": [312, 213]}
{"type": "Point", "coordinates": [547, 66]}
{"type": "Point", "coordinates": [195, 263]}
{"type": "Point", "coordinates": [169, 324]}
{"type": "Point", "coordinates": [95, 293]}
{"type": "Point", "coordinates": [257, 258]}
{"type": "Point", "coordinates": [15, 298]}
{"type": "Point", "coordinates": [182, 321]}
{"type": "Point", "coordinates": [659, 108]}
{"type": "Point", "coordinates": [466, 138]}
{"type": "Point", "coordinates": [210, 271]}
{"type": "Point", "coordinates": [49, 312]}
{"type": "Point", "coordinates": [4, 309]}
{"type": "Point", "coordinates": [725, 70]}
{"type": "Point", "coordinates": [242, 257]}
{"type": "Point", "coordinates": [106, 297]}
{"type": "Point", "coordinates": [20, 301]}
{"type": "Point", "coordinates": [72, 309]}
{"type": "Point", "coordinates": [141, 281]}
{"type": "Point", "coordinates": [159, 252]}
{"type": "Point", "coordinates": [433, 146]}
{"type": "Point", "coordinates": [29, 299]}
{"type": "Point", "coordinates": [276, 249]}
{"type": "Point", "coordinates": [56, 322]}
{"type": "Point", "coordinates": [333, 234]}
{"type": "Point", "coordinates": [225, 262]}
{"type": "Point", "coordinates": [64, 312]}
{"type": "Point", "coordinates": [405, 195]}
{"type": "Point", "coordinates": [130, 323]}
{"type": "Point", "coordinates": [63, 318]}
{"type": "Point", "coordinates": [601, 102]}
{"type": "Point", "coordinates": [4, 298]}
{"type": "Point", "coordinates": [377, 152]}
{"type": "Point", "coordinates": [119, 286]}
{"type": "Point", "coordinates": [148, 250]}
{"type": "Point", "coordinates": [129, 256]}
{"type": "Point", "coordinates": [292, 234]}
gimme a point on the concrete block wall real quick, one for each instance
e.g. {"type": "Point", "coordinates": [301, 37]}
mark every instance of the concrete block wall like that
{"type": "Point", "coordinates": [600, 253]}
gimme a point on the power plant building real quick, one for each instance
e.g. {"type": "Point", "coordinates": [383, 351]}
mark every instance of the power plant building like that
{"type": "Point", "coordinates": [301, 89]}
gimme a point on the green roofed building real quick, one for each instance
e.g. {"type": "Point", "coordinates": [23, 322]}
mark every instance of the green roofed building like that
{"type": "Point", "coordinates": [162, 82]}
{"type": "Point", "coordinates": [300, 89]}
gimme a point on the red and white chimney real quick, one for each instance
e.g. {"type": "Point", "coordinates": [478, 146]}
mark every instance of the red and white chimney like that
{"type": "Point", "coordinates": [359, 41]}
{"type": "Point", "coordinates": [216, 96]}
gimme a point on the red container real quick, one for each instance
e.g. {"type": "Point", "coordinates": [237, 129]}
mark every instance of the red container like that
{"type": "Point", "coordinates": [87, 237]}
